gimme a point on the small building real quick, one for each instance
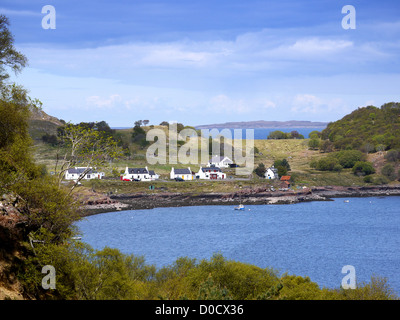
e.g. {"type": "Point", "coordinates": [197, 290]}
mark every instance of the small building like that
{"type": "Point", "coordinates": [184, 174]}
{"type": "Point", "coordinates": [153, 175]}
{"type": "Point", "coordinates": [220, 162]}
{"type": "Point", "coordinates": [141, 174]}
{"type": "Point", "coordinates": [211, 173]}
{"type": "Point", "coordinates": [271, 173]}
{"type": "Point", "coordinates": [285, 181]}
{"type": "Point", "coordinates": [88, 172]}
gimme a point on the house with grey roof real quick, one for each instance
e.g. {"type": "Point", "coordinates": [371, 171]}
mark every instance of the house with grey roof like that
{"type": "Point", "coordinates": [86, 173]}
{"type": "Point", "coordinates": [141, 174]}
{"type": "Point", "coordinates": [185, 174]}
{"type": "Point", "coordinates": [210, 173]}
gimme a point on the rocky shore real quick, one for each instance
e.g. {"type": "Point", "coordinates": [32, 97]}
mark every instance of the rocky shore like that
{"type": "Point", "coordinates": [137, 201]}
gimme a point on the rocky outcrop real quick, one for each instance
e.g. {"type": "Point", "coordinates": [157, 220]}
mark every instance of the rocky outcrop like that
{"type": "Point", "coordinates": [257, 195]}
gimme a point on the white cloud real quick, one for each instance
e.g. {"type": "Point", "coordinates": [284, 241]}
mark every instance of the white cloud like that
{"type": "Point", "coordinates": [10, 12]}
{"type": "Point", "coordinates": [103, 103]}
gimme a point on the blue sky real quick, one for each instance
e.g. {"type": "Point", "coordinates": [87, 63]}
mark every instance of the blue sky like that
{"type": "Point", "coordinates": [202, 62]}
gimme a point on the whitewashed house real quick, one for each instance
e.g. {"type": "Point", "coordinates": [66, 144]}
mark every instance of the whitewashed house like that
{"type": "Point", "coordinates": [89, 173]}
{"type": "Point", "coordinates": [185, 174]}
{"type": "Point", "coordinates": [271, 173]}
{"type": "Point", "coordinates": [220, 162]}
{"type": "Point", "coordinates": [153, 175]}
{"type": "Point", "coordinates": [141, 174]}
{"type": "Point", "coordinates": [211, 173]}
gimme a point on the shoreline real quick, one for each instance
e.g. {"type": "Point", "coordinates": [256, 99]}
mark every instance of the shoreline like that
{"type": "Point", "coordinates": [256, 196]}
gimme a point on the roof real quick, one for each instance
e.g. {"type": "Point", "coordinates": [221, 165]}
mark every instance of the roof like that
{"type": "Point", "coordinates": [219, 159]}
{"type": "Point", "coordinates": [213, 169]}
{"type": "Point", "coordinates": [152, 173]}
{"type": "Point", "coordinates": [78, 170]}
{"type": "Point", "coordinates": [182, 171]}
{"type": "Point", "coordinates": [137, 170]}
{"type": "Point", "coordinates": [285, 178]}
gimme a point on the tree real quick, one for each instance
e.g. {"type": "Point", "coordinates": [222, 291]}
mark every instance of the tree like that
{"type": "Point", "coordinates": [363, 168]}
{"type": "Point", "coordinates": [314, 143]}
{"type": "Point", "coordinates": [282, 163]}
{"type": "Point", "coordinates": [277, 134]}
{"type": "Point", "coordinates": [260, 170]}
{"type": "Point", "coordinates": [9, 56]}
{"type": "Point", "coordinates": [146, 122]}
{"type": "Point", "coordinates": [84, 147]}
{"type": "Point", "coordinates": [389, 171]}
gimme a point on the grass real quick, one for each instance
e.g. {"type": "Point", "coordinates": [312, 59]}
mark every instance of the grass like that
{"type": "Point", "coordinates": [294, 150]}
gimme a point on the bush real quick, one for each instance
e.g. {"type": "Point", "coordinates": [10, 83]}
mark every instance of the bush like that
{"type": "Point", "coordinates": [348, 158]}
{"type": "Point", "coordinates": [392, 155]}
{"type": "Point", "coordinates": [368, 179]}
{"type": "Point", "coordinates": [363, 168]}
{"type": "Point", "coordinates": [327, 164]}
{"type": "Point", "coordinates": [389, 172]}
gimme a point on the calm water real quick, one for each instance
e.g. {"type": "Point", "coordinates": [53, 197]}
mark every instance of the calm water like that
{"type": "Point", "coordinates": [262, 133]}
{"type": "Point", "coordinates": [314, 239]}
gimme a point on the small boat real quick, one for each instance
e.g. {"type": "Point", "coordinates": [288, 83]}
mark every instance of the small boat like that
{"type": "Point", "coordinates": [76, 238]}
{"type": "Point", "coordinates": [346, 201]}
{"type": "Point", "coordinates": [239, 207]}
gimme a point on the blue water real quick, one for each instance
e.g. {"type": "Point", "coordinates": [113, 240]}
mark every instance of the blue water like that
{"type": "Point", "coordinates": [314, 239]}
{"type": "Point", "coordinates": [262, 133]}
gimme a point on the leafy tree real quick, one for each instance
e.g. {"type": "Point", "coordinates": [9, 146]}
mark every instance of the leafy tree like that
{"type": "Point", "coordinates": [363, 168]}
{"type": "Point", "coordinates": [389, 172]}
{"type": "Point", "coordinates": [392, 155]}
{"type": "Point", "coordinates": [260, 170]}
{"type": "Point", "coordinates": [284, 163]}
{"type": "Point", "coordinates": [348, 158]}
{"type": "Point", "coordinates": [84, 147]}
{"type": "Point", "coordinates": [9, 56]}
{"type": "Point", "coordinates": [277, 134]}
{"type": "Point", "coordinates": [314, 143]}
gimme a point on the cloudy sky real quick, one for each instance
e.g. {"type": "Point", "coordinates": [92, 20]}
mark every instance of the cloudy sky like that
{"type": "Point", "coordinates": [207, 61]}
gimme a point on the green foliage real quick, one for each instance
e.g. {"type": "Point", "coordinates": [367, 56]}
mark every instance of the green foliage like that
{"type": "Point", "coordinates": [362, 168]}
{"type": "Point", "coordinates": [389, 172]}
{"type": "Point", "coordinates": [393, 155]}
{"type": "Point", "coordinates": [368, 179]}
{"type": "Point", "coordinates": [348, 158]}
{"type": "Point", "coordinates": [368, 129]}
{"type": "Point", "coordinates": [260, 170]}
{"type": "Point", "coordinates": [9, 56]}
{"type": "Point", "coordinates": [314, 143]}
{"type": "Point", "coordinates": [277, 134]}
{"type": "Point", "coordinates": [87, 274]}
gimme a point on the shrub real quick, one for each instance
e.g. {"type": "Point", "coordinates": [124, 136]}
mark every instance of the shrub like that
{"type": "Point", "coordinates": [363, 168]}
{"type": "Point", "coordinates": [368, 179]}
{"type": "Point", "coordinates": [348, 158]}
{"type": "Point", "coordinates": [389, 172]}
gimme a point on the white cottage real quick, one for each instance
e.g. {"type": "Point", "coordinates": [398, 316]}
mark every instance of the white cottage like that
{"type": "Point", "coordinates": [141, 174]}
{"type": "Point", "coordinates": [220, 162]}
{"type": "Point", "coordinates": [87, 172]}
{"type": "Point", "coordinates": [185, 174]}
{"type": "Point", "coordinates": [271, 173]}
{"type": "Point", "coordinates": [211, 173]}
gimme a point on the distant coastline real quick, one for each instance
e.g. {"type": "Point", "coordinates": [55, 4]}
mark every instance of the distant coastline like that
{"type": "Point", "coordinates": [262, 124]}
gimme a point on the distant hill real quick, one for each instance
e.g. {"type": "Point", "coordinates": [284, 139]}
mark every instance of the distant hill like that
{"type": "Point", "coordinates": [265, 124]}
{"type": "Point", "coordinates": [368, 129]}
{"type": "Point", "coordinates": [41, 123]}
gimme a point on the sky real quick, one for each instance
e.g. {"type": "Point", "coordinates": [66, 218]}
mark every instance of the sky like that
{"type": "Point", "coordinates": [204, 62]}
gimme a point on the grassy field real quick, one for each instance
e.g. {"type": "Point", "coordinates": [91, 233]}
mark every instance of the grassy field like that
{"type": "Point", "coordinates": [296, 151]}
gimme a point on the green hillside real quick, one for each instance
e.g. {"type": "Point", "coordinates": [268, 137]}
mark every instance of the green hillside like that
{"type": "Point", "coordinates": [368, 129]}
